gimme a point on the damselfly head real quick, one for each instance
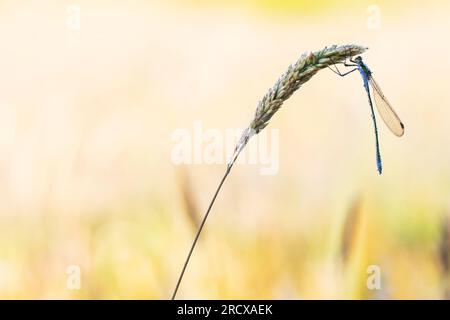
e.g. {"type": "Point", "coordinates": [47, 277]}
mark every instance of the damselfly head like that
{"type": "Point", "coordinates": [358, 59]}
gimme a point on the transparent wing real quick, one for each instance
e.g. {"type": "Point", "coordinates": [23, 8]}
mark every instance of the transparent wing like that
{"type": "Point", "coordinates": [385, 110]}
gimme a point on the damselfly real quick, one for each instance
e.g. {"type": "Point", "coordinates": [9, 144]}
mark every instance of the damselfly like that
{"type": "Point", "coordinates": [384, 108]}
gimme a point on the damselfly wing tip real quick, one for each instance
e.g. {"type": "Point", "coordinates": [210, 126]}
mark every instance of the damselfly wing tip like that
{"type": "Point", "coordinates": [402, 131]}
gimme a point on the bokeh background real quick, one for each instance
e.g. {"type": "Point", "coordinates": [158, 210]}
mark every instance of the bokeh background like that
{"type": "Point", "coordinates": [88, 106]}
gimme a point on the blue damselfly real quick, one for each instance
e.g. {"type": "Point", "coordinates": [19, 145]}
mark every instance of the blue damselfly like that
{"type": "Point", "coordinates": [384, 108]}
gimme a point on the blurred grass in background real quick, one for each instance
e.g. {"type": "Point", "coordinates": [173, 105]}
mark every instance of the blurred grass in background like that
{"type": "Point", "coordinates": [86, 178]}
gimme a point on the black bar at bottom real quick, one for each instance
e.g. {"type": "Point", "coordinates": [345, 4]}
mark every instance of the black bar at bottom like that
{"type": "Point", "coordinates": [223, 309]}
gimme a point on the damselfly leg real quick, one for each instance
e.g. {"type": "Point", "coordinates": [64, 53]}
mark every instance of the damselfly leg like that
{"type": "Point", "coordinates": [339, 73]}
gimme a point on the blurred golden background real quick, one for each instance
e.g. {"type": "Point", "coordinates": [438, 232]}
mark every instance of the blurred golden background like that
{"type": "Point", "coordinates": [92, 91]}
